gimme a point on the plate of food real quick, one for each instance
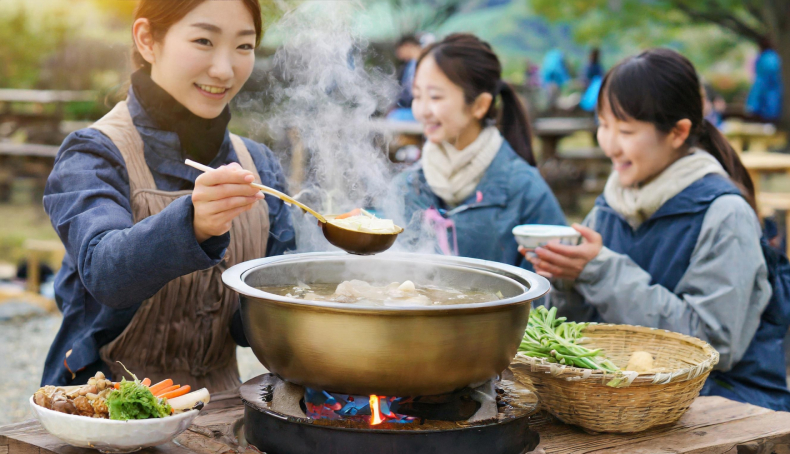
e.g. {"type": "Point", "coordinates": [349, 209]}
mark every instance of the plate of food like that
{"type": "Point", "coordinates": [117, 417]}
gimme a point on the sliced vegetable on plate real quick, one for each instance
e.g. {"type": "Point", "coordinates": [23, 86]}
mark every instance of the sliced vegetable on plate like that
{"type": "Point", "coordinates": [189, 401]}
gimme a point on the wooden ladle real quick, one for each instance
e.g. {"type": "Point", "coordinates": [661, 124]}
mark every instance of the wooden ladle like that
{"type": "Point", "coordinates": [351, 241]}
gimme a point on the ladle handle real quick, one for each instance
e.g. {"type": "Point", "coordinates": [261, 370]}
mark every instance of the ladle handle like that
{"type": "Point", "coordinates": [265, 189]}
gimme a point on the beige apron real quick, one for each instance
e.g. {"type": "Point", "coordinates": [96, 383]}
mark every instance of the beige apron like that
{"type": "Point", "coordinates": [182, 332]}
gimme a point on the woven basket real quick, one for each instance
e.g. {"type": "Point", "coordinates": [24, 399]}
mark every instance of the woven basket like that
{"type": "Point", "coordinates": [582, 397]}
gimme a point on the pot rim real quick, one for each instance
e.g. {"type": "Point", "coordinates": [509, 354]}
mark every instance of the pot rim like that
{"type": "Point", "coordinates": [534, 286]}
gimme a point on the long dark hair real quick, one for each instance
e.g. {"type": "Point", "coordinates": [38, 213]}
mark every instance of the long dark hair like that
{"type": "Point", "coordinates": [661, 87]}
{"type": "Point", "coordinates": [163, 14]}
{"type": "Point", "coordinates": [472, 65]}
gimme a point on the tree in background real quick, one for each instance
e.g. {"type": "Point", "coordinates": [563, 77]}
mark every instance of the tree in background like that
{"type": "Point", "coordinates": [26, 45]}
{"type": "Point", "coordinates": [751, 20]}
{"type": "Point", "coordinates": [421, 15]}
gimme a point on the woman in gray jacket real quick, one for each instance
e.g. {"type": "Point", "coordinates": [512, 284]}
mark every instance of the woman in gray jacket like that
{"type": "Point", "coordinates": [674, 241]}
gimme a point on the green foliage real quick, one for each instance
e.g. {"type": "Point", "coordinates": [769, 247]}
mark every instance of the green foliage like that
{"type": "Point", "coordinates": [423, 15]}
{"type": "Point", "coordinates": [596, 18]}
{"type": "Point", "coordinates": [26, 45]}
{"type": "Point", "coordinates": [715, 35]}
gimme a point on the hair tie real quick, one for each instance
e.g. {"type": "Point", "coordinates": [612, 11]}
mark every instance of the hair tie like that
{"type": "Point", "coordinates": [500, 85]}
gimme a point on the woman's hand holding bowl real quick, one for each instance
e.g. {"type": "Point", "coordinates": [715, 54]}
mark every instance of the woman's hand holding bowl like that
{"type": "Point", "coordinates": [562, 261]}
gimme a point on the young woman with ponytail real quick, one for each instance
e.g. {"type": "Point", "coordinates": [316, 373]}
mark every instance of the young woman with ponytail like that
{"type": "Point", "coordinates": [146, 236]}
{"type": "Point", "coordinates": [674, 241]}
{"type": "Point", "coordinates": [477, 173]}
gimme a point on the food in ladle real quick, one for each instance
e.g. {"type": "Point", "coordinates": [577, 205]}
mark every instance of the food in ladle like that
{"type": "Point", "coordinates": [396, 294]}
{"type": "Point", "coordinates": [366, 224]}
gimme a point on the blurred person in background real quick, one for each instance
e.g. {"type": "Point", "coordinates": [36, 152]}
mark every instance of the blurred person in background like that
{"type": "Point", "coordinates": [593, 68]}
{"type": "Point", "coordinates": [714, 105]}
{"type": "Point", "coordinates": [591, 81]}
{"type": "Point", "coordinates": [407, 51]}
{"type": "Point", "coordinates": [554, 75]}
{"type": "Point", "coordinates": [765, 96]}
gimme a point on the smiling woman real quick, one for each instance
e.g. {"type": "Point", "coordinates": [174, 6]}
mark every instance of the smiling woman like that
{"type": "Point", "coordinates": [477, 178]}
{"type": "Point", "coordinates": [147, 237]}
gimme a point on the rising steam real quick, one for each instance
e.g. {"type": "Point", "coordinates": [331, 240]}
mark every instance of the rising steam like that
{"type": "Point", "coordinates": [325, 97]}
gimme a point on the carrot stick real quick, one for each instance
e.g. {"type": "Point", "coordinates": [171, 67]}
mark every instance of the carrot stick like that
{"type": "Point", "coordinates": [166, 390]}
{"type": "Point", "coordinates": [161, 385]}
{"type": "Point", "coordinates": [178, 392]}
{"type": "Point", "coordinates": [116, 385]}
{"type": "Point", "coordinates": [146, 381]}
{"type": "Point", "coordinates": [354, 212]}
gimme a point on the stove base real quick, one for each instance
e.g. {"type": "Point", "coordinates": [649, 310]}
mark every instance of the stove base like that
{"type": "Point", "coordinates": [276, 433]}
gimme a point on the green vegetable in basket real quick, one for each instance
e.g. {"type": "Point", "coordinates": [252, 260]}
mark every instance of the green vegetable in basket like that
{"type": "Point", "coordinates": [556, 341]}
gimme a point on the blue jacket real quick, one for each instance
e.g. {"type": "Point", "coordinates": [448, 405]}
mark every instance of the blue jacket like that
{"type": "Point", "coordinates": [112, 265]}
{"type": "Point", "coordinates": [663, 246]}
{"type": "Point", "coordinates": [553, 70]}
{"type": "Point", "coordinates": [511, 193]}
{"type": "Point", "coordinates": [765, 97]}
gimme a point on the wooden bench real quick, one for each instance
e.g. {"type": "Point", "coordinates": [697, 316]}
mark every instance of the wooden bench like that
{"type": "Point", "coordinates": [46, 96]}
{"type": "Point", "coordinates": [28, 149]}
{"type": "Point", "coordinates": [35, 252]}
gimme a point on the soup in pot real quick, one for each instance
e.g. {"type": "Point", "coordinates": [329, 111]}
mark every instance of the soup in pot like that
{"type": "Point", "coordinates": [395, 294]}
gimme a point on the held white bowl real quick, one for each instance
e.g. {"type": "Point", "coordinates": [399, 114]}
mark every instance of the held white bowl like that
{"type": "Point", "coordinates": [535, 235]}
{"type": "Point", "coordinates": [111, 436]}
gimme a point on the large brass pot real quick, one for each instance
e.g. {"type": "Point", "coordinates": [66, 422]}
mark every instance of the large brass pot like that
{"type": "Point", "coordinates": [393, 351]}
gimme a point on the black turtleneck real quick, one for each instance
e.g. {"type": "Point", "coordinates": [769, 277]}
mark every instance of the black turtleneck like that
{"type": "Point", "coordinates": [200, 138]}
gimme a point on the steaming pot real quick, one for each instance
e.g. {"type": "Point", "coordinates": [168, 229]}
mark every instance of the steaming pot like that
{"type": "Point", "coordinates": [392, 351]}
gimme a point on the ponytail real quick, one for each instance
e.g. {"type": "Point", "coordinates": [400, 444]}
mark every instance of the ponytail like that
{"type": "Point", "coordinates": [712, 141]}
{"type": "Point", "coordinates": [514, 123]}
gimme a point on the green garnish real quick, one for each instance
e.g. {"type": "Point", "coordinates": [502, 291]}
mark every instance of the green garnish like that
{"type": "Point", "coordinates": [134, 400]}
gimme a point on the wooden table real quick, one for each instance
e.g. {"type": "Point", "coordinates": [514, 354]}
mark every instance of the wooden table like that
{"type": "Point", "coordinates": [26, 112]}
{"type": "Point", "coordinates": [551, 130]}
{"type": "Point", "coordinates": [413, 128]}
{"type": "Point", "coordinates": [762, 163]}
{"type": "Point", "coordinates": [755, 137]}
{"type": "Point", "coordinates": [712, 425]}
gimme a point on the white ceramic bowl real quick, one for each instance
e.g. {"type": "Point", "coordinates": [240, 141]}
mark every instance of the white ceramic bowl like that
{"type": "Point", "coordinates": [111, 436]}
{"type": "Point", "coordinates": [535, 235]}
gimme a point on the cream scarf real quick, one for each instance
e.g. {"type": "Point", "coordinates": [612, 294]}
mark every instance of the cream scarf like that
{"type": "Point", "coordinates": [638, 204]}
{"type": "Point", "coordinates": [454, 174]}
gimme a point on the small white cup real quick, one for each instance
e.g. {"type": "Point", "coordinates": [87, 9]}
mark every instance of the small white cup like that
{"type": "Point", "coordinates": [531, 236]}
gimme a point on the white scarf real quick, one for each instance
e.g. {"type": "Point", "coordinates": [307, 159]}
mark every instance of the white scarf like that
{"type": "Point", "coordinates": [454, 174]}
{"type": "Point", "coordinates": [638, 204]}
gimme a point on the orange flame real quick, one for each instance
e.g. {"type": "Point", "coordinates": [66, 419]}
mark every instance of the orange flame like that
{"type": "Point", "coordinates": [375, 411]}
